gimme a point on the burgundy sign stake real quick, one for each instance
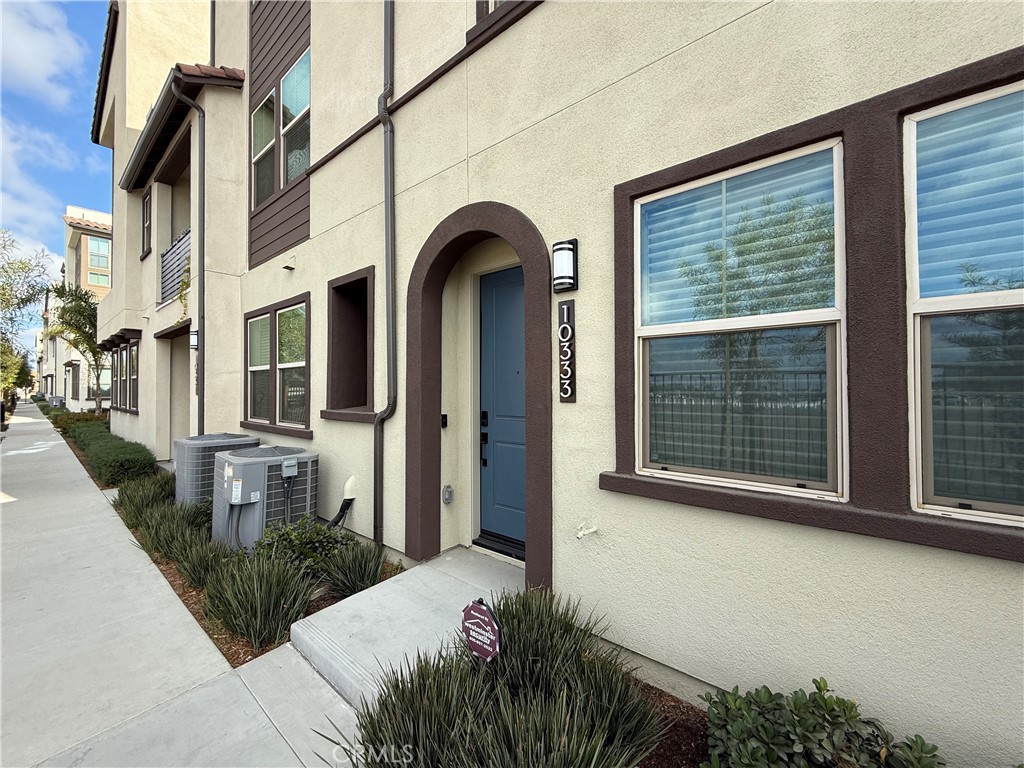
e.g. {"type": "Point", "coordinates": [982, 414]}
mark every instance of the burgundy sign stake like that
{"type": "Point", "coordinates": [481, 630]}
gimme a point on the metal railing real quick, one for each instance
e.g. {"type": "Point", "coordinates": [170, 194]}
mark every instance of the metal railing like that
{"type": "Point", "coordinates": [173, 262]}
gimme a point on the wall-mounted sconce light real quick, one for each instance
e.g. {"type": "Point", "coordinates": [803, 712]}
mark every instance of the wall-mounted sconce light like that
{"type": "Point", "coordinates": [566, 266]}
{"type": "Point", "coordinates": [289, 264]}
{"type": "Point", "coordinates": [193, 339]}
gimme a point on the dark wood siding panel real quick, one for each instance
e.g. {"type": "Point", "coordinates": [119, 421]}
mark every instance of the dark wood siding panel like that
{"type": "Point", "coordinates": [278, 214]}
{"type": "Point", "coordinates": [264, 15]}
{"type": "Point", "coordinates": [279, 32]}
{"type": "Point", "coordinates": [273, 29]}
{"type": "Point", "coordinates": [277, 247]}
{"type": "Point", "coordinates": [283, 231]}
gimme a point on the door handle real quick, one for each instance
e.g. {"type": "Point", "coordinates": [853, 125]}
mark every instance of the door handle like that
{"type": "Point", "coordinates": [483, 442]}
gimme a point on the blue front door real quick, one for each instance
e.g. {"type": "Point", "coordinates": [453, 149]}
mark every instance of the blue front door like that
{"type": "Point", "coordinates": [502, 411]}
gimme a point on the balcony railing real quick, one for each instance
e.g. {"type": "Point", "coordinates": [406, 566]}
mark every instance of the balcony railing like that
{"type": "Point", "coordinates": [172, 265]}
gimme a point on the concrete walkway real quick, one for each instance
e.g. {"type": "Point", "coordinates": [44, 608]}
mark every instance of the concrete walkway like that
{"type": "Point", "coordinates": [101, 663]}
{"type": "Point", "coordinates": [103, 666]}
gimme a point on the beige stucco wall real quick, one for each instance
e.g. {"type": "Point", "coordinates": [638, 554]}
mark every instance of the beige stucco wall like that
{"type": "Point", "coordinates": [153, 36]}
{"type": "Point", "coordinates": [548, 117]}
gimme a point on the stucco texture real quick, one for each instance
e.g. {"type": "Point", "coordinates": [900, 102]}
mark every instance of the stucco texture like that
{"type": "Point", "coordinates": [548, 118]}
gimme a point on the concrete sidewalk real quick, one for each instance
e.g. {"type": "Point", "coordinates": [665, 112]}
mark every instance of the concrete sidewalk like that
{"type": "Point", "coordinates": [92, 633]}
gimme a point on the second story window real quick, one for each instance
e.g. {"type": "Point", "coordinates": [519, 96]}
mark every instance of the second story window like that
{"type": "Point", "coordinates": [263, 150]}
{"type": "Point", "coordinates": [295, 119]}
{"type": "Point", "coordinates": [99, 253]}
{"type": "Point", "coordinates": [147, 223]}
{"type": "Point", "coordinates": [280, 129]}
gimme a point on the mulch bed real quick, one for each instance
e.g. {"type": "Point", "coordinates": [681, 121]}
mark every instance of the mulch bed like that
{"type": "Point", "coordinates": [686, 743]}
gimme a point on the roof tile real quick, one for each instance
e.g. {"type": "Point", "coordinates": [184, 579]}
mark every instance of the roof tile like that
{"type": "Point", "coordinates": [86, 224]}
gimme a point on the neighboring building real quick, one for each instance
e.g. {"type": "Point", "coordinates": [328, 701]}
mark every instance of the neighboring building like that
{"type": "Point", "coordinates": [87, 250]}
{"type": "Point", "coordinates": [87, 260]}
{"type": "Point", "coordinates": [787, 439]}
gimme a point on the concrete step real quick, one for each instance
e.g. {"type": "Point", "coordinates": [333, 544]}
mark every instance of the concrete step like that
{"type": "Point", "coordinates": [352, 642]}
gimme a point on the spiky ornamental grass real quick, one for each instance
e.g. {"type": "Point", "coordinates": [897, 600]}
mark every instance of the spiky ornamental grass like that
{"type": "Point", "coordinates": [197, 557]}
{"type": "Point", "coordinates": [554, 697]}
{"type": "Point", "coordinates": [134, 497]}
{"type": "Point", "coordinates": [162, 528]}
{"type": "Point", "coordinates": [257, 598]}
{"type": "Point", "coordinates": [353, 567]}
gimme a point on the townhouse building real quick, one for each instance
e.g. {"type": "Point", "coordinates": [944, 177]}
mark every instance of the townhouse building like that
{"type": "Point", "coordinates": [710, 313]}
{"type": "Point", "coordinates": [62, 370]}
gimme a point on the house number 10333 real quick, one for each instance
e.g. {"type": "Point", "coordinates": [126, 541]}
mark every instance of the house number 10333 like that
{"type": "Point", "coordinates": [567, 351]}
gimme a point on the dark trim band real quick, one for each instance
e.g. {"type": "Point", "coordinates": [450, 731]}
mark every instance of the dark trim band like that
{"type": "Point", "coordinates": [440, 253]}
{"type": "Point", "coordinates": [174, 331]}
{"type": "Point", "coordinates": [876, 349]}
{"type": "Point", "coordinates": [277, 429]}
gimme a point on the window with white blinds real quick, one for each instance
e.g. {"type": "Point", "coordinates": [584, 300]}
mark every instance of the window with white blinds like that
{"type": "Point", "coordinates": [277, 362]}
{"type": "Point", "coordinates": [739, 325]}
{"type": "Point", "coordinates": [259, 368]}
{"type": "Point", "coordinates": [965, 250]}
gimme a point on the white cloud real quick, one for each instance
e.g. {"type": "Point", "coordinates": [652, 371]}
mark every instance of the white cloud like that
{"type": "Point", "coordinates": [41, 57]}
{"type": "Point", "coordinates": [97, 165]}
{"type": "Point", "coordinates": [29, 211]}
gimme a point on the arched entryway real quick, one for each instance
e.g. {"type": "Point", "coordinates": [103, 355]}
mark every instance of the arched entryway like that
{"type": "Point", "coordinates": [451, 238]}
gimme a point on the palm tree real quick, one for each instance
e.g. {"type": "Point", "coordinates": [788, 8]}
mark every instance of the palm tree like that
{"type": "Point", "coordinates": [75, 324]}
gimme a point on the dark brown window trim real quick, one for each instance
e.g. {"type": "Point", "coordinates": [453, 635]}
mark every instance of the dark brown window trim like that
{"type": "Point", "coordinates": [517, 9]}
{"type": "Point", "coordinates": [876, 352]}
{"type": "Point", "coordinates": [499, 19]}
{"type": "Point", "coordinates": [355, 412]}
{"type": "Point", "coordinates": [273, 425]}
{"type": "Point", "coordinates": [358, 415]}
{"type": "Point", "coordinates": [277, 429]}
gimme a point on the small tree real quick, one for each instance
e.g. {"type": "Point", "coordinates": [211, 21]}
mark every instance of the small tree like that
{"type": "Point", "coordinates": [15, 371]}
{"type": "Point", "coordinates": [22, 285]}
{"type": "Point", "coordinates": [75, 324]}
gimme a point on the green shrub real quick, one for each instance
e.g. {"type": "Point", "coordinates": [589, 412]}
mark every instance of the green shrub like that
{"type": "Point", "coordinates": [303, 544]}
{"type": "Point", "coordinates": [198, 557]}
{"type": "Point", "coordinates": [258, 598]}
{"type": "Point", "coordinates": [581, 708]}
{"type": "Point", "coordinates": [761, 729]}
{"type": "Point", "coordinates": [353, 568]}
{"type": "Point", "coordinates": [115, 461]}
{"type": "Point", "coordinates": [136, 496]}
{"type": "Point", "coordinates": [88, 432]}
{"type": "Point", "coordinates": [54, 413]}
{"type": "Point", "coordinates": [64, 421]}
{"type": "Point", "coordinates": [44, 408]}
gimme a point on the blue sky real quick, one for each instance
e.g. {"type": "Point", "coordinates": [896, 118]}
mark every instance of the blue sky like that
{"type": "Point", "coordinates": [50, 61]}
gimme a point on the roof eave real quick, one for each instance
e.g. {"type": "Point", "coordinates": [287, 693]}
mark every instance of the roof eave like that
{"type": "Point", "coordinates": [158, 120]}
{"type": "Point", "coordinates": [113, 11]}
